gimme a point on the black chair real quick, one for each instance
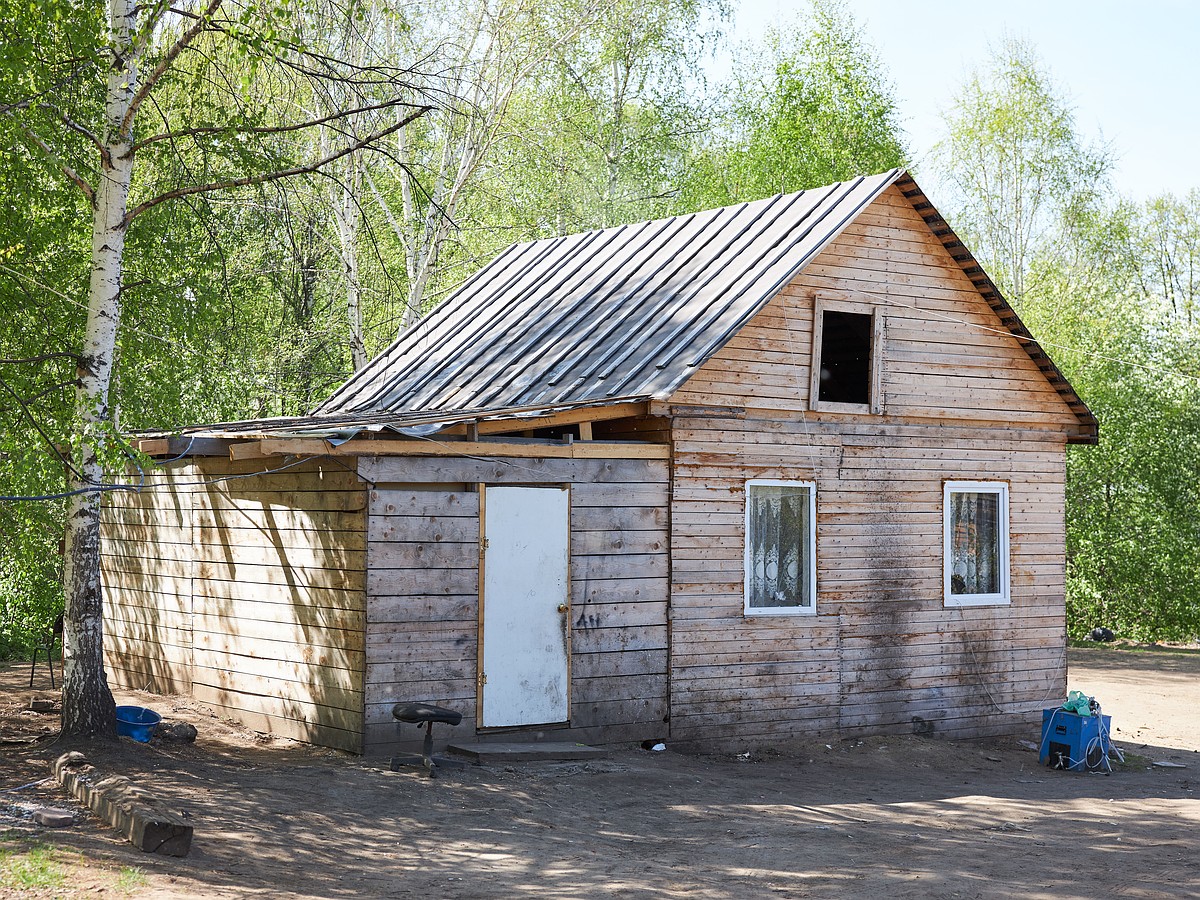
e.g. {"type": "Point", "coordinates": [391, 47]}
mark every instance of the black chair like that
{"type": "Point", "coordinates": [55, 637]}
{"type": "Point", "coordinates": [425, 714]}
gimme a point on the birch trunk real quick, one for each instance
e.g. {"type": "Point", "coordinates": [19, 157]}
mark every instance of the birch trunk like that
{"type": "Point", "coordinates": [349, 214]}
{"type": "Point", "coordinates": [88, 707]}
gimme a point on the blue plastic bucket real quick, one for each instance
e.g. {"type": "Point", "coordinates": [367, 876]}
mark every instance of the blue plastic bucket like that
{"type": "Point", "coordinates": [137, 722]}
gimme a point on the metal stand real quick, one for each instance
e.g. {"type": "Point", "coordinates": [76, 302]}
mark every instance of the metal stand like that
{"type": "Point", "coordinates": [425, 714]}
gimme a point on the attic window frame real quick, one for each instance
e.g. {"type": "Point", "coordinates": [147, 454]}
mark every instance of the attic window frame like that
{"type": "Point", "coordinates": [830, 303]}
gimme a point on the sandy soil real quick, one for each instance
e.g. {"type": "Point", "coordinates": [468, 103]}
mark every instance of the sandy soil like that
{"type": "Point", "coordinates": [900, 816]}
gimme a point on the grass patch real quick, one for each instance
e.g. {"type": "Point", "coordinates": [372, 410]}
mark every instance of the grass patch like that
{"type": "Point", "coordinates": [1133, 762]}
{"type": "Point", "coordinates": [32, 868]}
{"type": "Point", "coordinates": [130, 878]}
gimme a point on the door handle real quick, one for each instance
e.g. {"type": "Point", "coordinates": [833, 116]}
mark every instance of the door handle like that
{"type": "Point", "coordinates": [562, 607]}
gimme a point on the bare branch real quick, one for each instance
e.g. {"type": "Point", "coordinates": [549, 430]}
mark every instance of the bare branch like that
{"type": "Point", "coordinates": [62, 385]}
{"type": "Point", "coordinates": [74, 176]}
{"type": "Point", "coordinates": [76, 127]}
{"type": "Point", "coordinates": [147, 85]}
{"type": "Point", "coordinates": [265, 129]}
{"type": "Point", "coordinates": [267, 177]}
{"type": "Point", "coordinates": [45, 357]}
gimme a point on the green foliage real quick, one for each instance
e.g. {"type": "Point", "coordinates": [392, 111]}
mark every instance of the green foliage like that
{"type": "Point", "coordinates": [809, 108]}
{"type": "Point", "coordinates": [35, 868]}
{"type": "Point", "coordinates": [1133, 503]}
{"type": "Point", "coordinates": [1015, 167]}
{"type": "Point", "coordinates": [550, 117]}
{"type": "Point", "coordinates": [1111, 290]}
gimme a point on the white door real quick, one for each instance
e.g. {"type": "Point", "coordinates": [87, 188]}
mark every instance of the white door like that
{"type": "Point", "coordinates": [524, 674]}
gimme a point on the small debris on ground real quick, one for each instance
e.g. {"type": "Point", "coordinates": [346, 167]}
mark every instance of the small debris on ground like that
{"type": "Point", "coordinates": [1028, 745]}
{"type": "Point", "coordinates": [41, 706]}
{"type": "Point", "coordinates": [1167, 764]}
{"type": "Point", "coordinates": [177, 733]}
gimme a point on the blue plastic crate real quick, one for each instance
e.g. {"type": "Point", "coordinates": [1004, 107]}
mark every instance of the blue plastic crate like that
{"type": "Point", "coordinates": [1074, 742]}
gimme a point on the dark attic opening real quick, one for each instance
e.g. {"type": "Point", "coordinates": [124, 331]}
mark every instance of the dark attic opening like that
{"type": "Point", "coordinates": [845, 357]}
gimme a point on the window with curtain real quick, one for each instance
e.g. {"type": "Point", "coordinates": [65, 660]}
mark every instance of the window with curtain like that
{"type": "Point", "coordinates": [781, 547]}
{"type": "Point", "coordinates": [976, 543]}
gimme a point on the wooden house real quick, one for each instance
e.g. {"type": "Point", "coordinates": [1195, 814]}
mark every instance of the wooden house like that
{"type": "Point", "coordinates": [787, 468]}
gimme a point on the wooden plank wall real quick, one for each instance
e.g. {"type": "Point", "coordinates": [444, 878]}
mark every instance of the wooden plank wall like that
{"type": "Point", "coordinates": [423, 591]}
{"type": "Point", "coordinates": [146, 570]}
{"type": "Point", "coordinates": [883, 654]}
{"type": "Point", "coordinates": [272, 571]}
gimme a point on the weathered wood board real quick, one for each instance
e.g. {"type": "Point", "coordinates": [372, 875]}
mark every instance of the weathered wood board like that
{"type": "Point", "coordinates": [423, 591]}
{"type": "Point", "coordinates": [246, 591]}
{"type": "Point", "coordinates": [961, 401]}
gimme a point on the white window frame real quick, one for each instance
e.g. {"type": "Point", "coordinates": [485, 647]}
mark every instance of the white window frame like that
{"type": "Point", "coordinates": [838, 303]}
{"type": "Point", "coordinates": [1004, 596]}
{"type": "Point", "coordinates": [811, 587]}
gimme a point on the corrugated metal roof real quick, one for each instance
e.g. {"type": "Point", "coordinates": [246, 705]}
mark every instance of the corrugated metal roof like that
{"type": "Point", "coordinates": [626, 312]}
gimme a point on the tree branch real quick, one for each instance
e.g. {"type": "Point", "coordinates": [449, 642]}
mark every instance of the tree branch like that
{"type": "Point", "coordinates": [74, 176]}
{"type": "Point", "coordinates": [267, 177]}
{"type": "Point", "coordinates": [202, 22]}
{"type": "Point", "coordinates": [45, 357]}
{"type": "Point", "coordinates": [76, 127]}
{"type": "Point", "coordinates": [265, 129]}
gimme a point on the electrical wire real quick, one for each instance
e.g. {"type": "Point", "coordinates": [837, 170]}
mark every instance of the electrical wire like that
{"type": "Point", "coordinates": [25, 786]}
{"type": "Point", "coordinates": [142, 487]}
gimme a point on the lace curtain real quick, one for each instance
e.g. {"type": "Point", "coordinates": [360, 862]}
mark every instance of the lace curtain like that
{"type": "Point", "coordinates": [778, 546]}
{"type": "Point", "coordinates": [974, 542]}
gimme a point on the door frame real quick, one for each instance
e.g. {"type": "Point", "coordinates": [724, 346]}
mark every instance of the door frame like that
{"type": "Point", "coordinates": [567, 634]}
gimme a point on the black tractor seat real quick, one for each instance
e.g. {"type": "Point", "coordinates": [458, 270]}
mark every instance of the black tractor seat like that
{"type": "Point", "coordinates": [425, 714]}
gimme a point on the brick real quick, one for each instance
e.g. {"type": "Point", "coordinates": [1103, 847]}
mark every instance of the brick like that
{"type": "Point", "coordinates": [48, 817]}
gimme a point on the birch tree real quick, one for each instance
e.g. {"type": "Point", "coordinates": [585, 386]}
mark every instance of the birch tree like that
{"type": "Point", "coordinates": [1014, 163]}
{"type": "Point", "coordinates": [489, 51]}
{"type": "Point", "coordinates": [809, 105]}
{"type": "Point", "coordinates": [103, 104]}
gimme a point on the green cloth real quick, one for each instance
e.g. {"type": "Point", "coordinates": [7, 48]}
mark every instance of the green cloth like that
{"type": "Point", "coordinates": [1078, 703]}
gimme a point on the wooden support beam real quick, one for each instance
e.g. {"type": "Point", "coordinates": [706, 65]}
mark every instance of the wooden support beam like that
{"type": "Point", "coordinates": [141, 818]}
{"type": "Point", "coordinates": [536, 450]}
{"type": "Point", "coordinates": [254, 450]}
{"type": "Point", "coordinates": [183, 445]}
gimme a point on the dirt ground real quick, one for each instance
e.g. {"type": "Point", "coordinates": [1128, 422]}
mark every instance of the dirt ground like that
{"type": "Point", "coordinates": [900, 816]}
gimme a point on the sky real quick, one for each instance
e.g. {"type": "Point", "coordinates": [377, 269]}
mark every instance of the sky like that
{"type": "Point", "coordinates": [1131, 70]}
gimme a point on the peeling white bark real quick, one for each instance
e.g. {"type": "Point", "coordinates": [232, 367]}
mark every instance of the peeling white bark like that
{"type": "Point", "coordinates": [88, 707]}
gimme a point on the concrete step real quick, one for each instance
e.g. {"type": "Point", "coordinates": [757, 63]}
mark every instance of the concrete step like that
{"type": "Point", "coordinates": [491, 753]}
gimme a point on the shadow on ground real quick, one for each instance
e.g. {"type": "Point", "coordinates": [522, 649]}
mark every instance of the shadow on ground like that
{"type": "Point", "coordinates": [899, 817]}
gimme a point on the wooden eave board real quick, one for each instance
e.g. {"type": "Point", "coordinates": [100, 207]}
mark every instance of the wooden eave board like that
{"type": "Point", "coordinates": [1089, 426]}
